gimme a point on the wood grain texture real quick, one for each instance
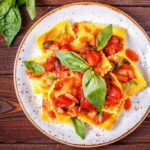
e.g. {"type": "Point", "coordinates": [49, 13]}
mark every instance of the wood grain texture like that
{"type": "Point", "coordinates": [16, 131]}
{"type": "Point", "coordinates": [7, 54]}
{"type": "Point", "coordinates": [63, 147]}
{"type": "Point", "coordinates": [110, 2]}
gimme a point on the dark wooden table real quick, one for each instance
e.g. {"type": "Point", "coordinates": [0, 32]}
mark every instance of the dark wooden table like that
{"type": "Point", "coordinates": [16, 132]}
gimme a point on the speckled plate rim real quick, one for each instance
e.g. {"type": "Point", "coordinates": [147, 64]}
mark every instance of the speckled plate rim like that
{"type": "Point", "coordinates": [16, 88]}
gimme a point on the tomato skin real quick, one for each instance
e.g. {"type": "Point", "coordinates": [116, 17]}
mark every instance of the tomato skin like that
{"type": "Point", "coordinates": [132, 55]}
{"type": "Point", "coordinates": [65, 42]}
{"type": "Point", "coordinates": [114, 45]}
{"type": "Point", "coordinates": [92, 57]}
{"type": "Point", "coordinates": [113, 95]}
{"type": "Point", "coordinates": [62, 101]}
{"type": "Point", "coordinates": [52, 114]}
{"type": "Point", "coordinates": [76, 27]}
{"type": "Point", "coordinates": [122, 78]}
{"type": "Point", "coordinates": [63, 68]}
{"type": "Point", "coordinates": [127, 104]}
{"type": "Point", "coordinates": [126, 66]}
{"type": "Point", "coordinates": [50, 64]}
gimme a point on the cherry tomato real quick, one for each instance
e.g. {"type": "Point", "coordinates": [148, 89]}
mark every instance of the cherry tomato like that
{"type": "Point", "coordinates": [132, 55]}
{"type": "Point", "coordinates": [121, 78]}
{"type": "Point", "coordinates": [63, 68]}
{"type": "Point", "coordinates": [113, 95]}
{"type": "Point", "coordinates": [65, 42]}
{"type": "Point", "coordinates": [126, 66]}
{"type": "Point", "coordinates": [92, 57]}
{"type": "Point", "coordinates": [62, 101]}
{"type": "Point", "coordinates": [127, 104]}
{"type": "Point", "coordinates": [114, 45]}
{"type": "Point", "coordinates": [52, 114]}
{"type": "Point", "coordinates": [75, 27]}
{"type": "Point", "coordinates": [50, 64]}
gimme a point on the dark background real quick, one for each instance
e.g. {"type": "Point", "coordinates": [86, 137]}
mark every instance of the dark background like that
{"type": "Point", "coordinates": [16, 132]}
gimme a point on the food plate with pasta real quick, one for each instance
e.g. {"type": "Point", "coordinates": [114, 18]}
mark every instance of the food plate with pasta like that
{"type": "Point", "coordinates": [82, 74]}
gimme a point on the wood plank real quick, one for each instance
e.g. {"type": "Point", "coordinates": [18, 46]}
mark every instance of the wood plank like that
{"type": "Point", "coordinates": [7, 55]}
{"type": "Point", "coordinates": [110, 2]}
{"type": "Point", "coordinates": [15, 127]}
{"type": "Point", "coordinates": [64, 147]}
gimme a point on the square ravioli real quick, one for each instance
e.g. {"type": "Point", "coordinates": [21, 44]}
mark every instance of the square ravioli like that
{"type": "Point", "coordinates": [127, 73]}
{"type": "Point", "coordinates": [57, 37]}
{"type": "Point", "coordinates": [86, 36]}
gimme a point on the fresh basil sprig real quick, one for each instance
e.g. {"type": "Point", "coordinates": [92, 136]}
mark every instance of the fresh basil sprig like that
{"type": "Point", "coordinates": [10, 24]}
{"type": "Point", "coordinates": [94, 88]}
{"type": "Point", "coordinates": [30, 7]}
{"type": "Point", "coordinates": [79, 127]}
{"type": "Point", "coordinates": [5, 6]}
{"type": "Point", "coordinates": [72, 60]}
{"type": "Point", "coordinates": [10, 18]}
{"type": "Point", "coordinates": [34, 67]}
{"type": "Point", "coordinates": [103, 37]}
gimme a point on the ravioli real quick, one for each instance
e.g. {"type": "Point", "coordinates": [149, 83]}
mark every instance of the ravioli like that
{"type": "Point", "coordinates": [88, 31]}
{"type": "Point", "coordinates": [55, 33]}
{"type": "Point", "coordinates": [115, 109]}
{"type": "Point", "coordinates": [38, 84]}
{"type": "Point", "coordinates": [53, 92]}
{"type": "Point", "coordinates": [106, 124]}
{"type": "Point", "coordinates": [63, 97]}
{"type": "Point", "coordinates": [128, 88]}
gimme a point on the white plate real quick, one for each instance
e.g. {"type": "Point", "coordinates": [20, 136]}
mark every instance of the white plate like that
{"type": "Point", "coordinates": [31, 103]}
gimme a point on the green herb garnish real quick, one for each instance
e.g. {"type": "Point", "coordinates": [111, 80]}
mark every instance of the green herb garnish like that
{"type": "Point", "coordinates": [94, 88]}
{"type": "Point", "coordinates": [34, 67]}
{"type": "Point", "coordinates": [103, 37]}
{"type": "Point", "coordinates": [79, 127]}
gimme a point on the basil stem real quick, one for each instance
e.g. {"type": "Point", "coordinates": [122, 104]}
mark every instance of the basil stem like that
{"type": "Point", "coordinates": [79, 127]}
{"type": "Point", "coordinates": [34, 67]}
{"type": "Point", "coordinates": [94, 88]}
{"type": "Point", "coordinates": [103, 37]}
{"type": "Point", "coordinates": [72, 60]}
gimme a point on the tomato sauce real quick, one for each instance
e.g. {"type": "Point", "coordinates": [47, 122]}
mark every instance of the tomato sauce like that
{"type": "Point", "coordinates": [127, 104]}
{"type": "Point", "coordinates": [132, 54]}
{"type": "Point", "coordinates": [52, 114]}
{"type": "Point", "coordinates": [114, 45]}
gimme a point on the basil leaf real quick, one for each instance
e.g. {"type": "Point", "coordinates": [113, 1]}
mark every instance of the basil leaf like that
{"type": "Point", "coordinates": [79, 127]}
{"type": "Point", "coordinates": [50, 77]}
{"type": "Point", "coordinates": [34, 67]}
{"type": "Point", "coordinates": [72, 60]}
{"type": "Point", "coordinates": [10, 25]}
{"type": "Point", "coordinates": [30, 6]}
{"type": "Point", "coordinates": [103, 37]}
{"type": "Point", "coordinates": [5, 6]}
{"type": "Point", "coordinates": [21, 3]}
{"type": "Point", "coordinates": [94, 88]}
{"type": "Point", "coordinates": [133, 82]}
